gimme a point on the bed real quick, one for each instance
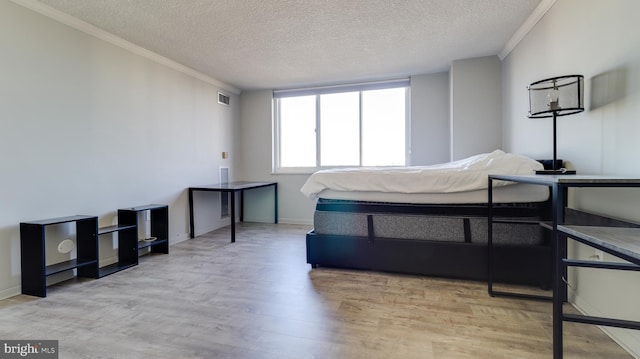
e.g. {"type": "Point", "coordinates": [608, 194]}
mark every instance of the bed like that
{"type": "Point", "coordinates": [432, 220]}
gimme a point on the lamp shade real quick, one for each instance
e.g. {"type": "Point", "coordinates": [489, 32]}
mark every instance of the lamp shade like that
{"type": "Point", "coordinates": [559, 96]}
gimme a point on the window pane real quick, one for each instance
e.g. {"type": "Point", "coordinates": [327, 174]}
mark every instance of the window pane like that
{"type": "Point", "coordinates": [383, 127]}
{"type": "Point", "coordinates": [340, 129]}
{"type": "Point", "coordinates": [298, 131]}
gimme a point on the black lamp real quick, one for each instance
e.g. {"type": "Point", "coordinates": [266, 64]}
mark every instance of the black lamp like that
{"type": "Point", "coordinates": [557, 96]}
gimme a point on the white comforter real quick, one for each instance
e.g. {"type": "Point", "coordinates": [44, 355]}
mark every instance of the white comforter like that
{"type": "Point", "coordinates": [459, 176]}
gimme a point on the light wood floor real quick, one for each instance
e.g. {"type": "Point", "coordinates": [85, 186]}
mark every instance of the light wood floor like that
{"type": "Point", "coordinates": [258, 298]}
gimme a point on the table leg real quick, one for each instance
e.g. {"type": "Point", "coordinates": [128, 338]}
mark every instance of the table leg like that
{"type": "Point", "coordinates": [233, 216]}
{"type": "Point", "coordinates": [558, 288]}
{"type": "Point", "coordinates": [191, 225]}
{"type": "Point", "coordinates": [241, 205]}
{"type": "Point", "coordinates": [275, 203]}
{"type": "Point", "coordinates": [490, 238]}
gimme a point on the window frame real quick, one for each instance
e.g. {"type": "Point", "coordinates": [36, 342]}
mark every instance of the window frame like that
{"type": "Point", "coordinates": [317, 91]}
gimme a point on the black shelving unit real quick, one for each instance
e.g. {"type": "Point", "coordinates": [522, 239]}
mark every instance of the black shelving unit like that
{"type": "Point", "coordinates": [159, 226]}
{"type": "Point", "coordinates": [33, 245]}
{"type": "Point", "coordinates": [623, 243]}
{"type": "Point", "coordinates": [127, 248]}
{"type": "Point", "coordinates": [559, 185]}
{"type": "Point", "coordinates": [33, 252]}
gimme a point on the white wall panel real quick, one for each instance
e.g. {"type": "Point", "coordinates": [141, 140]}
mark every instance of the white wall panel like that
{"type": "Point", "coordinates": [598, 39]}
{"type": "Point", "coordinates": [87, 127]}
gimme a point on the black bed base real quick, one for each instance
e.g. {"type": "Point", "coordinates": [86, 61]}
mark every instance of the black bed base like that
{"type": "Point", "coordinates": [527, 265]}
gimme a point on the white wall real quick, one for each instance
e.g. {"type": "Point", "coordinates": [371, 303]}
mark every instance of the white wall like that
{"type": "Point", "coordinates": [476, 106]}
{"type": "Point", "coordinates": [429, 119]}
{"type": "Point", "coordinates": [87, 127]}
{"type": "Point", "coordinates": [255, 164]}
{"type": "Point", "coordinates": [598, 39]}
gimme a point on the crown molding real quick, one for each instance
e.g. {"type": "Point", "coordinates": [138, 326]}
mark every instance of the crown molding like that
{"type": "Point", "coordinates": [531, 21]}
{"type": "Point", "coordinates": [94, 31]}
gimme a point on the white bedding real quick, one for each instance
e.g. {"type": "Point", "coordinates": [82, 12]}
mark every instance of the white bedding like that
{"type": "Point", "coordinates": [518, 193]}
{"type": "Point", "coordinates": [463, 176]}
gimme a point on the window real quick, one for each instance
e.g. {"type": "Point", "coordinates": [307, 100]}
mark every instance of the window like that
{"type": "Point", "coordinates": [353, 125]}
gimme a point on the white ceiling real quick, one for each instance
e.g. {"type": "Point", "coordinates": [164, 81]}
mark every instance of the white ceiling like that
{"type": "Point", "coordinates": [267, 44]}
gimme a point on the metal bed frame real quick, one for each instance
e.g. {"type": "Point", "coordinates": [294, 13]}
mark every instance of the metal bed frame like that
{"type": "Point", "coordinates": [520, 264]}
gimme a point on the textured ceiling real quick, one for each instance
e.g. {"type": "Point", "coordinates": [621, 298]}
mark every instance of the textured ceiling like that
{"type": "Point", "coordinates": [265, 44]}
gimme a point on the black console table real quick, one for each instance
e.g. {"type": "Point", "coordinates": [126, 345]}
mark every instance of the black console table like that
{"type": "Point", "coordinates": [232, 188]}
{"type": "Point", "coordinates": [620, 242]}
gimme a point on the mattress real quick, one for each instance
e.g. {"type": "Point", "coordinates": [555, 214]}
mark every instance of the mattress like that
{"type": "Point", "coordinates": [516, 193]}
{"type": "Point", "coordinates": [445, 203]}
{"type": "Point", "coordinates": [465, 177]}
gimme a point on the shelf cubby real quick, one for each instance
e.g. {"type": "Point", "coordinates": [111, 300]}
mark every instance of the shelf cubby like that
{"type": "Point", "coordinates": [159, 217]}
{"type": "Point", "coordinates": [33, 252]}
{"type": "Point", "coordinates": [127, 253]}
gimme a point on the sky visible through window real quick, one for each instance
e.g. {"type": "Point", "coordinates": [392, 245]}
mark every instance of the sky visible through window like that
{"type": "Point", "coordinates": [375, 137]}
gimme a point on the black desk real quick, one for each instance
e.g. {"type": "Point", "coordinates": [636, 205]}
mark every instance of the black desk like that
{"type": "Point", "coordinates": [559, 185]}
{"type": "Point", "coordinates": [232, 188]}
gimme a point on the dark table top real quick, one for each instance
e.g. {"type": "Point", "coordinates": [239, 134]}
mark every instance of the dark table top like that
{"type": "Point", "coordinates": [618, 239]}
{"type": "Point", "coordinates": [232, 186]}
{"type": "Point", "coordinates": [575, 180]}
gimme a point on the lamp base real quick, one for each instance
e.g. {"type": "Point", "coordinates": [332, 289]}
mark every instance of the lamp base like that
{"type": "Point", "coordinates": [563, 171]}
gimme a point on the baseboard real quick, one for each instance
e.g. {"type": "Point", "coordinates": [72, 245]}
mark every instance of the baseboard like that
{"type": "Point", "coordinates": [107, 261]}
{"type": "Point", "coordinates": [10, 292]}
{"type": "Point", "coordinates": [60, 277]}
{"type": "Point", "coordinates": [179, 238]}
{"type": "Point", "coordinates": [280, 220]}
{"type": "Point", "coordinates": [622, 337]}
{"type": "Point", "coordinates": [208, 229]}
{"type": "Point", "coordinates": [295, 221]}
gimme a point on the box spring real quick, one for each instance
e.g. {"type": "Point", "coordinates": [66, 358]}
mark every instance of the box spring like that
{"type": "Point", "coordinates": [436, 240]}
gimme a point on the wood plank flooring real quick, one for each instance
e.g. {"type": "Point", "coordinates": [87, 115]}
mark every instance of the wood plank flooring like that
{"type": "Point", "coordinates": [257, 298]}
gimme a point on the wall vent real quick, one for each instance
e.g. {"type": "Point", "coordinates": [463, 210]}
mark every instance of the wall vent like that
{"type": "Point", "coordinates": [224, 174]}
{"type": "Point", "coordinates": [223, 99]}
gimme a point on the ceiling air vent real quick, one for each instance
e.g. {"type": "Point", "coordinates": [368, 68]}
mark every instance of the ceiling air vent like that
{"type": "Point", "coordinates": [223, 99]}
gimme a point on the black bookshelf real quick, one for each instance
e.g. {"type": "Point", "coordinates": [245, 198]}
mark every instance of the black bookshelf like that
{"type": "Point", "coordinates": [159, 217]}
{"type": "Point", "coordinates": [33, 252]}
{"type": "Point", "coordinates": [127, 252]}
